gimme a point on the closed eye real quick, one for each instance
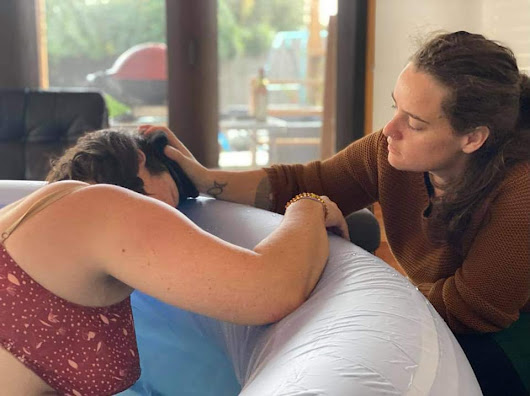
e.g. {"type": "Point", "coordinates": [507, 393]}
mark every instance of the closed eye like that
{"type": "Point", "coordinates": [413, 116]}
{"type": "Point", "coordinates": [415, 129]}
{"type": "Point", "coordinates": [394, 106]}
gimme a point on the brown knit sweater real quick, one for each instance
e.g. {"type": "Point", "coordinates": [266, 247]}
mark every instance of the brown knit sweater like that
{"type": "Point", "coordinates": [482, 292]}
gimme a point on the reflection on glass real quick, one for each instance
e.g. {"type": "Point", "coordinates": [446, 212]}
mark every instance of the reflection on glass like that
{"type": "Point", "coordinates": [116, 46]}
{"type": "Point", "coordinates": [283, 43]}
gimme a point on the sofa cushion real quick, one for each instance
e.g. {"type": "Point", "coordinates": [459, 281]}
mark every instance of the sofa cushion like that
{"type": "Point", "coordinates": [36, 126]}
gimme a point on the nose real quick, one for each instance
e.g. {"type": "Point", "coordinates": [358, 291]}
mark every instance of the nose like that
{"type": "Point", "coordinates": [391, 129]}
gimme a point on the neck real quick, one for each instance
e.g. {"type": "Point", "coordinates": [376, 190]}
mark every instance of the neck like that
{"type": "Point", "coordinates": [439, 183]}
{"type": "Point", "coordinates": [441, 178]}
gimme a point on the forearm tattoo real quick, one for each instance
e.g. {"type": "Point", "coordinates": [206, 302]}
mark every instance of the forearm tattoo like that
{"type": "Point", "coordinates": [217, 189]}
{"type": "Point", "coordinates": [264, 196]}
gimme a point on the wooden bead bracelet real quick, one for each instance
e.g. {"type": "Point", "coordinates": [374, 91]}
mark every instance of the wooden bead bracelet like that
{"type": "Point", "coordinates": [313, 197]}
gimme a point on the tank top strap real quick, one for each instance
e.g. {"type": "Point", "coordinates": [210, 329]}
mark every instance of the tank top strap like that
{"type": "Point", "coordinates": [37, 206]}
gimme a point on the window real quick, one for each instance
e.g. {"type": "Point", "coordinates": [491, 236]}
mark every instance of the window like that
{"type": "Point", "coordinates": [285, 42]}
{"type": "Point", "coordinates": [119, 47]}
{"type": "Point", "coordinates": [116, 46]}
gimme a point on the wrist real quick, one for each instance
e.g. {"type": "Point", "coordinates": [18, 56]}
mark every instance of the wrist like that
{"type": "Point", "coordinates": [212, 183]}
{"type": "Point", "coordinates": [309, 197]}
{"type": "Point", "coordinates": [205, 180]}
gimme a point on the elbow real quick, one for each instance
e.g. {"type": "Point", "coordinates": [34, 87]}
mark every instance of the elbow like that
{"type": "Point", "coordinates": [286, 307]}
{"type": "Point", "coordinates": [284, 288]}
{"type": "Point", "coordinates": [288, 301]}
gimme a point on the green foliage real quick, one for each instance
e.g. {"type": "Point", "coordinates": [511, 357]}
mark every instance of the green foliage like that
{"type": "Point", "coordinates": [258, 20]}
{"type": "Point", "coordinates": [258, 40]}
{"type": "Point", "coordinates": [279, 14]}
{"type": "Point", "coordinates": [230, 41]}
{"type": "Point", "coordinates": [114, 107]}
{"type": "Point", "coordinates": [99, 29]}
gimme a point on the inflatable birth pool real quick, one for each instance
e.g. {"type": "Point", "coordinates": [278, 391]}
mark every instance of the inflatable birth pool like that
{"type": "Point", "coordinates": [365, 330]}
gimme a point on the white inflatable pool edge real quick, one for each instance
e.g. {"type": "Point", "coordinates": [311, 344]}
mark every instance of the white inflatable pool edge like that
{"type": "Point", "coordinates": [365, 330]}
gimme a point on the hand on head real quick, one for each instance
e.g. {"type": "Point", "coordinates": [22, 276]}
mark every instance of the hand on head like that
{"type": "Point", "coordinates": [178, 152]}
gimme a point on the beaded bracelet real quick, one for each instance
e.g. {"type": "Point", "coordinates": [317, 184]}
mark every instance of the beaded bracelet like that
{"type": "Point", "coordinates": [313, 197]}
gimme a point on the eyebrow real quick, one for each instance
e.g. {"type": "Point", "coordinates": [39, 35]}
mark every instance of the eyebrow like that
{"type": "Point", "coordinates": [409, 114]}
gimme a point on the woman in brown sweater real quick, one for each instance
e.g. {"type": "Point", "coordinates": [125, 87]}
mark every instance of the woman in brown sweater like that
{"type": "Point", "coordinates": [451, 173]}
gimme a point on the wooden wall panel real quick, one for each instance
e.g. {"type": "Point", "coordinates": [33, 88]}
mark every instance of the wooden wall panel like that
{"type": "Point", "coordinates": [192, 76]}
{"type": "Point", "coordinates": [351, 66]}
{"type": "Point", "coordinates": [370, 66]}
{"type": "Point", "coordinates": [19, 63]}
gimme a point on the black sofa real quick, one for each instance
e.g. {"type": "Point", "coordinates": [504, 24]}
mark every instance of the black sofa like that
{"type": "Point", "coordinates": [37, 125]}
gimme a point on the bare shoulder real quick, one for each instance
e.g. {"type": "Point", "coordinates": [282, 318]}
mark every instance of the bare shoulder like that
{"type": "Point", "coordinates": [118, 199]}
{"type": "Point", "coordinates": [85, 201]}
{"type": "Point", "coordinates": [59, 185]}
{"type": "Point", "coordinates": [124, 212]}
{"type": "Point", "coordinates": [100, 195]}
{"type": "Point", "coordinates": [27, 201]}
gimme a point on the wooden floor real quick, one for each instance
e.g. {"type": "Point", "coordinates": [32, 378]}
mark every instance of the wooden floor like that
{"type": "Point", "coordinates": [384, 251]}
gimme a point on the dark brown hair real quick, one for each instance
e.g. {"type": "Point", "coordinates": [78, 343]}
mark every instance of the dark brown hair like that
{"type": "Point", "coordinates": [486, 89]}
{"type": "Point", "coordinates": [107, 156]}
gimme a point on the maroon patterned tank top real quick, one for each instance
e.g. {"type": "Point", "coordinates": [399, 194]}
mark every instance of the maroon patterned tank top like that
{"type": "Point", "coordinates": [77, 350]}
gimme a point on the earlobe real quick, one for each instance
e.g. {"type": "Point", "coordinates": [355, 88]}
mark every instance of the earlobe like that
{"type": "Point", "coordinates": [475, 139]}
{"type": "Point", "coordinates": [141, 158]}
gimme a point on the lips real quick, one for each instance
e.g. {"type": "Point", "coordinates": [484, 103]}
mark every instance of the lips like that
{"type": "Point", "coordinates": [392, 150]}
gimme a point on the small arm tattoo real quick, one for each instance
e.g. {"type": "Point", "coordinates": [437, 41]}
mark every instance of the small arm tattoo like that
{"type": "Point", "coordinates": [263, 199]}
{"type": "Point", "coordinates": [217, 189]}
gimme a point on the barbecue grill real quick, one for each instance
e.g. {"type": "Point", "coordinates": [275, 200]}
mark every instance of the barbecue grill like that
{"type": "Point", "coordinates": [138, 77]}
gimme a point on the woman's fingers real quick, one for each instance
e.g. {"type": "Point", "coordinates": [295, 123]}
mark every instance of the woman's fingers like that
{"type": "Point", "coordinates": [341, 229]}
{"type": "Point", "coordinates": [174, 154]}
{"type": "Point", "coordinates": [335, 220]}
{"type": "Point", "coordinates": [179, 153]}
{"type": "Point", "coordinates": [172, 138]}
{"type": "Point", "coordinates": [195, 171]}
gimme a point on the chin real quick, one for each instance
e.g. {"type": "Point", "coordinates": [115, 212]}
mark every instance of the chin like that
{"type": "Point", "coordinates": [399, 165]}
{"type": "Point", "coordinates": [392, 161]}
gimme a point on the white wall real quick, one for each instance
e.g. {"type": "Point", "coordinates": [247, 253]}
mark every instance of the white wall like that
{"type": "Point", "coordinates": [508, 21]}
{"type": "Point", "coordinates": [400, 24]}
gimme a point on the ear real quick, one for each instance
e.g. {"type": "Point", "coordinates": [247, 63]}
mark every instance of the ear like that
{"type": "Point", "coordinates": [475, 139]}
{"type": "Point", "coordinates": [141, 158]}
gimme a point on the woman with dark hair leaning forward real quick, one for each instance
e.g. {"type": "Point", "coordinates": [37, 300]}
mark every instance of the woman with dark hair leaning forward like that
{"type": "Point", "coordinates": [73, 252]}
{"type": "Point", "coordinates": [451, 173]}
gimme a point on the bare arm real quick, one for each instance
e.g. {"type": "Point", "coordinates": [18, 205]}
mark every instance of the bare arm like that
{"type": "Point", "coordinates": [349, 178]}
{"type": "Point", "coordinates": [160, 252]}
{"type": "Point", "coordinates": [245, 187]}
